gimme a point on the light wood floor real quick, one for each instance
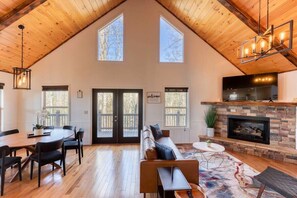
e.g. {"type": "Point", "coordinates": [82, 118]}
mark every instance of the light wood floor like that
{"type": "Point", "coordinates": [106, 171]}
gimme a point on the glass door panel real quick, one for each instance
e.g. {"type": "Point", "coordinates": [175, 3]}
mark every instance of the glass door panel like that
{"type": "Point", "coordinates": [130, 114]}
{"type": "Point", "coordinates": [117, 115]}
{"type": "Point", "coordinates": [105, 115]}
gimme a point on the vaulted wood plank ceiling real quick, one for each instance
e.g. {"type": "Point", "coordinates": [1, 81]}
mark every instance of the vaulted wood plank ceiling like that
{"type": "Point", "coordinates": [47, 26]}
{"type": "Point", "coordinates": [53, 22]}
{"type": "Point", "coordinates": [224, 31]}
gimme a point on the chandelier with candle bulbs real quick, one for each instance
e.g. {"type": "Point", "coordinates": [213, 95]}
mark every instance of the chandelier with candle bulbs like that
{"type": "Point", "coordinates": [21, 75]}
{"type": "Point", "coordinates": [275, 39]}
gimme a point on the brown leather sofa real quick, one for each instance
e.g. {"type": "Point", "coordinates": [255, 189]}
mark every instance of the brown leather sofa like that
{"type": "Point", "coordinates": [149, 162]}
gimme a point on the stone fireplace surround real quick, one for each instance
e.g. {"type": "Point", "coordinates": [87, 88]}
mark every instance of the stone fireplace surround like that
{"type": "Point", "coordinates": [282, 117]}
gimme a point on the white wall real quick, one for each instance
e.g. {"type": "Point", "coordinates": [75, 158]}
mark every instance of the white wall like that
{"type": "Point", "coordinates": [287, 86]}
{"type": "Point", "coordinates": [75, 64]}
{"type": "Point", "coordinates": [10, 103]}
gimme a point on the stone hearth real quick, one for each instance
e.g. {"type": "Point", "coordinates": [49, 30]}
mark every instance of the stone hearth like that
{"type": "Point", "coordinates": [282, 118]}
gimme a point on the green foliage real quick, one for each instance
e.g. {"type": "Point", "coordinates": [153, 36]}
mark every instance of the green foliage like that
{"type": "Point", "coordinates": [210, 117]}
{"type": "Point", "coordinates": [38, 126]}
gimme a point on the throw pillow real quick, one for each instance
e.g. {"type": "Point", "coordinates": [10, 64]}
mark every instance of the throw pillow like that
{"type": "Point", "coordinates": [164, 152]}
{"type": "Point", "coordinates": [156, 131]}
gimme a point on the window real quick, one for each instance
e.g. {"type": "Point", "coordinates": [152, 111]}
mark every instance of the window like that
{"type": "Point", "coordinates": [110, 40]}
{"type": "Point", "coordinates": [1, 106]}
{"type": "Point", "coordinates": [171, 43]}
{"type": "Point", "coordinates": [56, 103]}
{"type": "Point", "coordinates": [176, 107]}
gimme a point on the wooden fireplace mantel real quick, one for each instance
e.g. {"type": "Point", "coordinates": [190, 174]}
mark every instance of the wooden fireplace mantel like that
{"type": "Point", "coordinates": [251, 103]}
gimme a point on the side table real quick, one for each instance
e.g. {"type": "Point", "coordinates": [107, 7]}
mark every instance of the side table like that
{"type": "Point", "coordinates": [172, 179]}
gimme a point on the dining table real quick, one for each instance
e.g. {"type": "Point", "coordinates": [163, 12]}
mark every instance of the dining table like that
{"type": "Point", "coordinates": [26, 140]}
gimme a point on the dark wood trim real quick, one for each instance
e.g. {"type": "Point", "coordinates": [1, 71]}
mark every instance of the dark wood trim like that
{"type": "Point", "coordinates": [18, 12]}
{"type": "Point", "coordinates": [253, 25]}
{"type": "Point", "coordinates": [251, 103]}
{"type": "Point", "coordinates": [118, 132]}
{"type": "Point", "coordinates": [55, 88]}
{"type": "Point", "coordinates": [76, 34]}
{"type": "Point", "coordinates": [198, 35]}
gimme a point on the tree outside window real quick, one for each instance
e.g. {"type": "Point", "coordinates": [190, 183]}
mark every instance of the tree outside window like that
{"type": "Point", "coordinates": [176, 107]}
{"type": "Point", "coordinates": [111, 40]}
{"type": "Point", "coordinates": [171, 43]}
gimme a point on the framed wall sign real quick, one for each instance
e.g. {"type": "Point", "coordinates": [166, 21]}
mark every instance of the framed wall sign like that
{"type": "Point", "coordinates": [153, 97]}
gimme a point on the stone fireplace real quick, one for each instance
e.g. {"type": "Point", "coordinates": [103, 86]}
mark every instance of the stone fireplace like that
{"type": "Point", "coordinates": [253, 129]}
{"type": "Point", "coordinates": [276, 130]}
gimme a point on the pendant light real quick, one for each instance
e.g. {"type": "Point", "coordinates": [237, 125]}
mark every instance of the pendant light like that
{"type": "Point", "coordinates": [273, 40]}
{"type": "Point", "coordinates": [21, 75]}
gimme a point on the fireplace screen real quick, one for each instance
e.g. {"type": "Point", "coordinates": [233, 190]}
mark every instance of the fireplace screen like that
{"type": "Point", "coordinates": [254, 129]}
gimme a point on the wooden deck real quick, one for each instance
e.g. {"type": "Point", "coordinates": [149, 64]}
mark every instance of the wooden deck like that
{"type": "Point", "coordinates": [106, 171]}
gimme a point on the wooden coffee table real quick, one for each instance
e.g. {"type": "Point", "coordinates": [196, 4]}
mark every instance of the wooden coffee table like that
{"type": "Point", "coordinates": [214, 149]}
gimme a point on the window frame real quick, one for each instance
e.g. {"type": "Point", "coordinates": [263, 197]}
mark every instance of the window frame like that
{"type": "Point", "coordinates": [57, 88]}
{"type": "Point", "coordinates": [187, 114]}
{"type": "Point", "coordinates": [104, 26]}
{"type": "Point", "coordinates": [183, 45]}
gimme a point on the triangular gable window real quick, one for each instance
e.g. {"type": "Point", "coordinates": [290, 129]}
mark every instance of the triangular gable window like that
{"type": "Point", "coordinates": [171, 43]}
{"type": "Point", "coordinates": [111, 40]}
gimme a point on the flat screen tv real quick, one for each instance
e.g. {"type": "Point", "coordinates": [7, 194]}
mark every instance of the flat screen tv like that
{"type": "Point", "coordinates": [258, 87]}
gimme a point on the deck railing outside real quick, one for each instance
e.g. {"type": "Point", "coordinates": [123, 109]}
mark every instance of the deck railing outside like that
{"type": "Point", "coordinates": [176, 119]}
{"type": "Point", "coordinates": [105, 122]}
{"type": "Point", "coordinates": [57, 119]}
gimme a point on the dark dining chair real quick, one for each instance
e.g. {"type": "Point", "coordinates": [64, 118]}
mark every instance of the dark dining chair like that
{"type": "Point", "coordinates": [68, 127]}
{"type": "Point", "coordinates": [76, 144]}
{"type": "Point", "coordinates": [6, 162]}
{"type": "Point", "coordinates": [10, 132]}
{"type": "Point", "coordinates": [47, 153]}
{"type": "Point", "coordinates": [49, 127]}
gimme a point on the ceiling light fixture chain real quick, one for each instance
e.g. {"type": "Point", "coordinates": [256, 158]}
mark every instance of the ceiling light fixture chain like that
{"type": "Point", "coordinates": [22, 27]}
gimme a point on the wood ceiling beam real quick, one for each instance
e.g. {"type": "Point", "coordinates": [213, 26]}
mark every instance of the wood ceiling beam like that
{"type": "Point", "coordinates": [253, 25]}
{"type": "Point", "coordinates": [18, 12]}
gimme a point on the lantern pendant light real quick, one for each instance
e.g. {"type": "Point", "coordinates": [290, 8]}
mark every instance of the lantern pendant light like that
{"type": "Point", "coordinates": [21, 75]}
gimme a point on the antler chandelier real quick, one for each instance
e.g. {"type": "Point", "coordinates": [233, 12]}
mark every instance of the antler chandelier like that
{"type": "Point", "coordinates": [275, 39]}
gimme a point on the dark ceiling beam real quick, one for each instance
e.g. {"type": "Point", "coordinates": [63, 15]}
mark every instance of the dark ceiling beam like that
{"type": "Point", "coordinates": [18, 12]}
{"type": "Point", "coordinates": [254, 25]}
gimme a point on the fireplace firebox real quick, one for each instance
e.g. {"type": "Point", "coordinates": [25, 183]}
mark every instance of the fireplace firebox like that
{"type": "Point", "coordinates": [253, 129]}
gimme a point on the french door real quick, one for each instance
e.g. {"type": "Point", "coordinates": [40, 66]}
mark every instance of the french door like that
{"type": "Point", "coordinates": [117, 115]}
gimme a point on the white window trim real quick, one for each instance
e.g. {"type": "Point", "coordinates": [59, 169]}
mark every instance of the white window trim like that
{"type": "Point", "coordinates": [183, 47]}
{"type": "Point", "coordinates": [187, 113]}
{"type": "Point", "coordinates": [69, 103]}
{"type": "Point", "coordinates": [114, 19]}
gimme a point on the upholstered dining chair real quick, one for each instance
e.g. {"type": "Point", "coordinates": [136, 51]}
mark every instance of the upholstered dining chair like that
{"type": "Point", "coordinates": [6, 162]}
{"type": "Point", "coordinates": [10, 132]}
{"type": "Point", "coordinates": [68, 127]}
{"type": "Point", "coordinates": [76, 144]}
{"type": "Point", "coordinates": [47, 153]}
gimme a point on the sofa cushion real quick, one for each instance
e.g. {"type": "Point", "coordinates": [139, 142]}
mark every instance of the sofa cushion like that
{"type": "Point", "coordinates": [164, 152]}
{"type": "Point", "coordinates": [167, 141]}
{"type": "Point", "coordinates": [157, 133]}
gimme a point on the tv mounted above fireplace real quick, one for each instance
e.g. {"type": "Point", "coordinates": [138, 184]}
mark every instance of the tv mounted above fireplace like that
{"type": "Point", "coordinates": [256, 87]}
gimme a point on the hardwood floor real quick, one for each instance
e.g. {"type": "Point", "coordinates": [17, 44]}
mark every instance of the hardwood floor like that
{"type": "Point", "coordinates": [106, 171]}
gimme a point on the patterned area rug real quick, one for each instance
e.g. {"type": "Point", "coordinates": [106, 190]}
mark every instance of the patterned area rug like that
{"type": "Point", "coordinates": [226, 176]}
